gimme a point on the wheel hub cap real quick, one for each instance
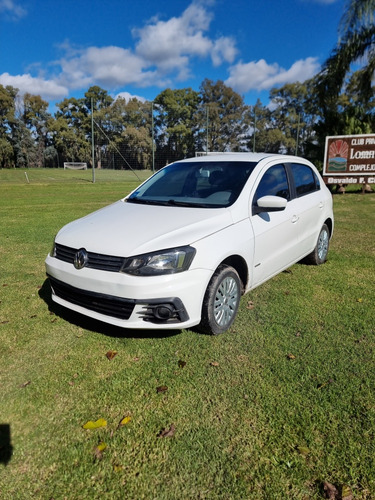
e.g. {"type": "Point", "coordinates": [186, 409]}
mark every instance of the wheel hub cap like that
{"type": "Point", "coordinates": [323, 245]}
{"type": "Point", "coordinates": [226, 299]}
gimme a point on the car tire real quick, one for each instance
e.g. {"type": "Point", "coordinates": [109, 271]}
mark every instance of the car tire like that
{"type": "Point", "coordinates": [319, 254]}
{"type": "Point", "coordinates": [221, 301]}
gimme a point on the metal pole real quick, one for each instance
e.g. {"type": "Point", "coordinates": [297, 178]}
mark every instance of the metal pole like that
{"type": "Point", "coordinates": [255, 121]}
{"type": "Point", "coordinates": [299, 117]}
{"type": "Point", "coordinates": [152, 136]}
{"type": "Point", "coordinates": [92, 141]}
{"type": "Point", "coordinates": [207, 110]}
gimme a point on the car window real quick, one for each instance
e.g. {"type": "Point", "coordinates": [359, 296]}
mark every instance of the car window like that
{"type": "Point", "coordinates": [274, 182]}
{"type": "Point", "coordinates": [305, 179]}
{"type": "Point", "coordinates": [206, 184]}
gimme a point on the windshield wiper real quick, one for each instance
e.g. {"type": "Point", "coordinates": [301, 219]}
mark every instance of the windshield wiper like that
{"type": "Point", "coordinates": [177, 203]}
{"type": "Point", "coordinates": [172, 203]}
{"type": "Point", "coordinates": [143, 202]}
{"type": "Point", "coordinates": [164, 203]}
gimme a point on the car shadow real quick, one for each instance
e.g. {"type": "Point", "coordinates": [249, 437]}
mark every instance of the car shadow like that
{"type": "Point", "coordinates": [97, 326]}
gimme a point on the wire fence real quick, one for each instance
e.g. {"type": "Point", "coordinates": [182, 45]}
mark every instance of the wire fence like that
{"type": "Point", "coordinates": [137, 151]}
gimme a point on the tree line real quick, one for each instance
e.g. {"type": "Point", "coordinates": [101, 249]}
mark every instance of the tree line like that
{"type": "Point", "coordinates": [178, 123]}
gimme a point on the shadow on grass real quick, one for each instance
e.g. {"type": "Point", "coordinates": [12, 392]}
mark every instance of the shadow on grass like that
{"type": "Point", "coordinates": [97, 326]}
{"type": "Point", "coordinates": [6, 449]}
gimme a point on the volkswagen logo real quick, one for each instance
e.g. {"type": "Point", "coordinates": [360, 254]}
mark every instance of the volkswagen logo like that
{"type": "Point", "coordinates": [80, 259]}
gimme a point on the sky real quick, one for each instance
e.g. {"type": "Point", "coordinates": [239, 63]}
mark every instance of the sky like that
{"type": "Point", "coordinates": [60, 48]}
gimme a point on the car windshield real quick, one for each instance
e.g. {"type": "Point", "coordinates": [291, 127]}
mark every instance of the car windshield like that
{"type": "Point", "coordinates": [208, 184]}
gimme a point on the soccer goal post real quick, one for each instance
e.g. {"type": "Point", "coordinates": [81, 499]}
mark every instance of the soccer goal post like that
{"type": "Point", "coordinates": [75, 165]}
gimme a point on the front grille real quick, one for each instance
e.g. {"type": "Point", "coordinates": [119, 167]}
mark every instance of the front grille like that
{"type": "Point", "coordinates": [65, 253]}
{"type": "Point", "coordinates": [109, 305]}
{"type": "Point", "coordinates": [95, 260]}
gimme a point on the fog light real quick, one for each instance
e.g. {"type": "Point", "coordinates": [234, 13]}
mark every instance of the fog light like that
{"type": "Point", "coordinates": [163, 312]}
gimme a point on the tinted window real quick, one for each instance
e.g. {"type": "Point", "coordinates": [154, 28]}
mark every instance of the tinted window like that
{"type": "Point", "coordinates": [305, 179]}
{"type": "Point", "coordinates": [274, 182]}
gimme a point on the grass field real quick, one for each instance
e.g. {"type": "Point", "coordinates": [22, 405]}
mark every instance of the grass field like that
{"type": "Point", "coordinates": [278, 407]}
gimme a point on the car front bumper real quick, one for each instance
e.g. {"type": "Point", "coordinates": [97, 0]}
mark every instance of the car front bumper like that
{"type": "Point", "coordinates": [160, 302]}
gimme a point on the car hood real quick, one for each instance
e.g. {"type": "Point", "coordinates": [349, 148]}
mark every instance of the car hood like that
{"type": "Point", "coordinates": [127, 229]}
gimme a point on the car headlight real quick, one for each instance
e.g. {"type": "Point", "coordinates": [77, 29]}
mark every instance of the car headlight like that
{"type": "Point", "coordinates": [169, 261]}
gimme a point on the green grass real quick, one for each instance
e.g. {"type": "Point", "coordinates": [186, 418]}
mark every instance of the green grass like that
{"type": "Point", "coordinates": [274, 408]}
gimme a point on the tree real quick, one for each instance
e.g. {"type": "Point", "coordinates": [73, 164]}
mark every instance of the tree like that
{"type": "Point", "coordinates": [100, 98]}
{"type": "Point", "coordinates": [358, 115]}
{"type": "Point", "coordinates": [70, 129]}
{"type": "Point", "coordinates": [131, 143]}
{"type": "Point", "coordinates": [265, 136]}
{"type": "Point", "coordinates": [8, 96]}
{"type": "Point", "coordinates": [294, 116]}
{"type": "Point", "coordinates": [176, 123]}
{"type": "Point", "coordinates": [6, 153]}
{"type": "Point", "coordinates": [23, 145]}
{"type": "Point", "coordinates": [357, 40]}
{"type": "Point", "coordinates": [37, 119]}
{"type": "Point", "coordinates": [227, 116]}
{"type": "Point", "coordinates": [73, 111]}
{"type": "Point", "coordinates": [123, 134]}
{"type": "Point", "coordinates": [17, 142]}
{"type": "Point", "coordinates": [69, 142]}
{"type": "Point", "coordinates": [8, 123]}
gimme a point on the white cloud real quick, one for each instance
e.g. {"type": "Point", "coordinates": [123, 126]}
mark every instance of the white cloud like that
{"type": "Point", "coordinates": [12, 10]}
{"type": "Point", "coordinates": [127, 96]}
{"type": "Point", "coordinates": [259, 75]}
{"type": "Point", "coordinates": [47, 89]}
{"type": "Point", "coordinates": [163, 51]}
{"type": "Point", "coordinates": [109, 66]}
{"type": "Point", "coordinates": [166, 42]}
{"type": "Point", "coordinates": [223, 50]}
{"type": "Point", "coordinates": [169, 45]}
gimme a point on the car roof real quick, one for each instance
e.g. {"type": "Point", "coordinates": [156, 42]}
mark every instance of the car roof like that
{"type": "Point", "coordinates": [253, 157]}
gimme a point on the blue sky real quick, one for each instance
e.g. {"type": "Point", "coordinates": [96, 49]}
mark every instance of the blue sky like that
{"type": "Point", "coordinates": [59, 48]}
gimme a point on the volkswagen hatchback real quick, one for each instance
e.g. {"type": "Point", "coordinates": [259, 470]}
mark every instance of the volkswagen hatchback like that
{"type": "Point", "coordinates": [181, 249]}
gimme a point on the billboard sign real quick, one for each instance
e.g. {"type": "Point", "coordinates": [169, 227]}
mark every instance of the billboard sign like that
{"type": "Point", "coordinates": [349, 159]}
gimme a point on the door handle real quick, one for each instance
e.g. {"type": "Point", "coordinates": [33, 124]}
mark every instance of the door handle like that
{"type": "Point", "coordinates": [295, 218]}
{"type": "Point", "coordinates": [321, 204]}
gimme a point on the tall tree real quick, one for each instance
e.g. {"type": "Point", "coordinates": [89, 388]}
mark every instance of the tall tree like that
{"type": "Point", "coordinates": [100, 98]}
{"type": "Point", "coordinates": [357, 41]}
{"type": "Point", "coordinates": [8, 122]}
{"type": "Point", "coordinates": [70, 130]}
{"type": "Point", "coordinates": [292, 115]}
{"type": "Point", "coordinates": [70, 143]}
{"type": "Point", "coordinates": [265, 136]}
{"type": "Point", "coordinates": [131, 134]}
{"type": "Point", "coordinates": [8, 96]}
{"type": "Point", "coordinates": [227, 117]}
{"type": "Point", "coordinates": [37, 119]}
{"type": "Point", "coordinates": [176, 123]}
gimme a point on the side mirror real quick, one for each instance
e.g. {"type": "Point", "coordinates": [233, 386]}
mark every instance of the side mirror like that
{"type": "Point", "coordinates": [269, 204]}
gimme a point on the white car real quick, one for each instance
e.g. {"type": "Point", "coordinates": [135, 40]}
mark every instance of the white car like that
{"type": "Point", "coordinates": [182, 248]}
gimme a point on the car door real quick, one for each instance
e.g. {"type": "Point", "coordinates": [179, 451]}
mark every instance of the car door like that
{"type": "Point", "coordinates": [275, 233]}
{"type": "Point", "coordinates": [310, 203]}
